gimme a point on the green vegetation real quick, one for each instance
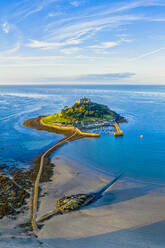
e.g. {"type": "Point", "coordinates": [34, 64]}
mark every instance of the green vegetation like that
{"type": "Point", "coordinates": [82, 111]}
{"type": "Point", "coordinates": [55, 118]}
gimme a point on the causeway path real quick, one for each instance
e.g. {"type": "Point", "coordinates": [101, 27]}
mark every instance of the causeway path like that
{"type": "Point", "coordinates": [34, 208]}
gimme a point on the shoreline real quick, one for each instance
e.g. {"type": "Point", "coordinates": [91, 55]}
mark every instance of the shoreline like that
{"type": "Point", "coordinates": [38, 124]}
{"type": "Point", "coordinates": [131, 210]}
{"type": "Point", "coordinates": [130, 215]}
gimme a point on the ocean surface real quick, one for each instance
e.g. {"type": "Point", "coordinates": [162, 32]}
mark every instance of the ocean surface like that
{"type": "Point", "coordinates": [143, 107]}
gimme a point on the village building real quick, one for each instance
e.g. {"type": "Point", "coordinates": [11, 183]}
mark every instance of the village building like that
{"type": "Point", "coordinates": [83, 100]}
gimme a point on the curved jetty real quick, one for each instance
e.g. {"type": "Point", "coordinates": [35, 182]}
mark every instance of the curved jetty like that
{"type": "Point", "coordinates": [70, 128]}
{"type": "Point", "coordinates": [118, 130]}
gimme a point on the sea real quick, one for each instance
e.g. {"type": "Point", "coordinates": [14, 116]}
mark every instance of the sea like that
{"type": "Point", "coordinates": [138, 158]}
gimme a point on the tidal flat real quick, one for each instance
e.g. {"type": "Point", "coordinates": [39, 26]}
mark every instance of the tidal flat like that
{"type": "Point", "coordinates": [131, 213]}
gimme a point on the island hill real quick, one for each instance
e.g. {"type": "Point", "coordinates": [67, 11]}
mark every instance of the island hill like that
{"type": "Point", "coordinates": [83, 114]}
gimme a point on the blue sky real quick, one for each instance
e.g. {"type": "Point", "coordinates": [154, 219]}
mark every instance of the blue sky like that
{"type": "Point", "coordinates": [82, 41]}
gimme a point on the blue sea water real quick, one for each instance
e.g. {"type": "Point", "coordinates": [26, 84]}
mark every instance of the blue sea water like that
{"type": "Point", "coordinates": [143, 106]}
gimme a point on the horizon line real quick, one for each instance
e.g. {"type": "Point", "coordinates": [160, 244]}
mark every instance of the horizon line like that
{"type": "Point", "coordinates": [82, 84]}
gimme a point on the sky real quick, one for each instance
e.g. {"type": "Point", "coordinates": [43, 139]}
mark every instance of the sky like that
{"type": "Point", "coordinates": [82, 41]}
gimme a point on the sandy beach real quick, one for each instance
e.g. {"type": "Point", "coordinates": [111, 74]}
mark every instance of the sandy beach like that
{"type": "Point", "coordinates": [130, 215]}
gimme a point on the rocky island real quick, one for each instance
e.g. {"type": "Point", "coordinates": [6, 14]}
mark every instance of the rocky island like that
{"type": "Point", "coordinates": [83, 114]}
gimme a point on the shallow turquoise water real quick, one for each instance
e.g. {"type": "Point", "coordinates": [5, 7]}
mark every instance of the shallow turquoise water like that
{"type": "Point", "coordinates": [143, 106]}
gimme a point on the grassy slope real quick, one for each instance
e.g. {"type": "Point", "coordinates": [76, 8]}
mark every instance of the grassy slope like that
{"type": "Point", "coordinates": [72, 114]}
{"type": "Point", "coordinates": [50, 119]}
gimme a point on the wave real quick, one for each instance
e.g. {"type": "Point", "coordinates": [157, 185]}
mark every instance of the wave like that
{"type": "Point", "coordinates": [29, 95]}
{"type": "Point", "coordinates": [16, 114]}
{"type": "Point", "coordinates": [127, 92]}
{"type": "Point", "coordinates": [33, 95]}
{"type": "Point", "coordinates": [19, 124]}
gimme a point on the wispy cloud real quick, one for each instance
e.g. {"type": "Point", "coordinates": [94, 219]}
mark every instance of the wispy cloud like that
{"type": "Point", "coordinates": [43, 44]}
{"type": "Point", "coordinates": [81, 27]}
{"type": "Point", "coordinates": [79, 35]}
{"type": "Point", "coordinates": [18, 65]}
{"type": "Point", "coordinates": [51, 45]}
{"type": "Point", "coordinates": [103, 77]}
{"type": "Point", "coordinates": [10, 51]}
{"type": "Point", "coordinates": [8, 59]}
{"type": "Point", "coordinates": [76, 34]}
{"type": "Point", "coordinates": [70, 50]}
{"type": "Point", "coordinates": [97, 19]}
{"type": "Point", "coordinates": [160, 19]}
{"type": "Point", "coordinates": [110, 44]}
{"type": "Point", "coordinates": [148, 54]}
{"type": "Point", "coordinates": [105, 45]}
{"type": "Point", "coordinates": [84, 28]}
{"type": "Point", "coordinates": [27, 8]}
{"type": "Point", "coordinates": [91, 78]}
{"type": "Point", "coordinates": [5, 27]}
{"type": "Point", "coordinates": [130, 5]}
{"type": "Point", "coordinates": [75, 3]}
{"type": "Point", "coordinates": [13, 50]}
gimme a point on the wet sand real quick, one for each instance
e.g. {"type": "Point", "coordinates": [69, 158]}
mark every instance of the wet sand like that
{"type": "Point", "coordinates": [130, 215]}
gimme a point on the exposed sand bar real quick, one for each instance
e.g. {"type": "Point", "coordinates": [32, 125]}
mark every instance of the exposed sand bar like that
{"type": "Point", "coordinates": [130, 215]}
{"type": "Point", "coordinates": [67, 131]}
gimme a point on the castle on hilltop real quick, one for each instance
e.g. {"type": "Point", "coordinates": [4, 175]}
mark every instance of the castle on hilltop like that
{"type": "Point", "coordinates": [83, 100]}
